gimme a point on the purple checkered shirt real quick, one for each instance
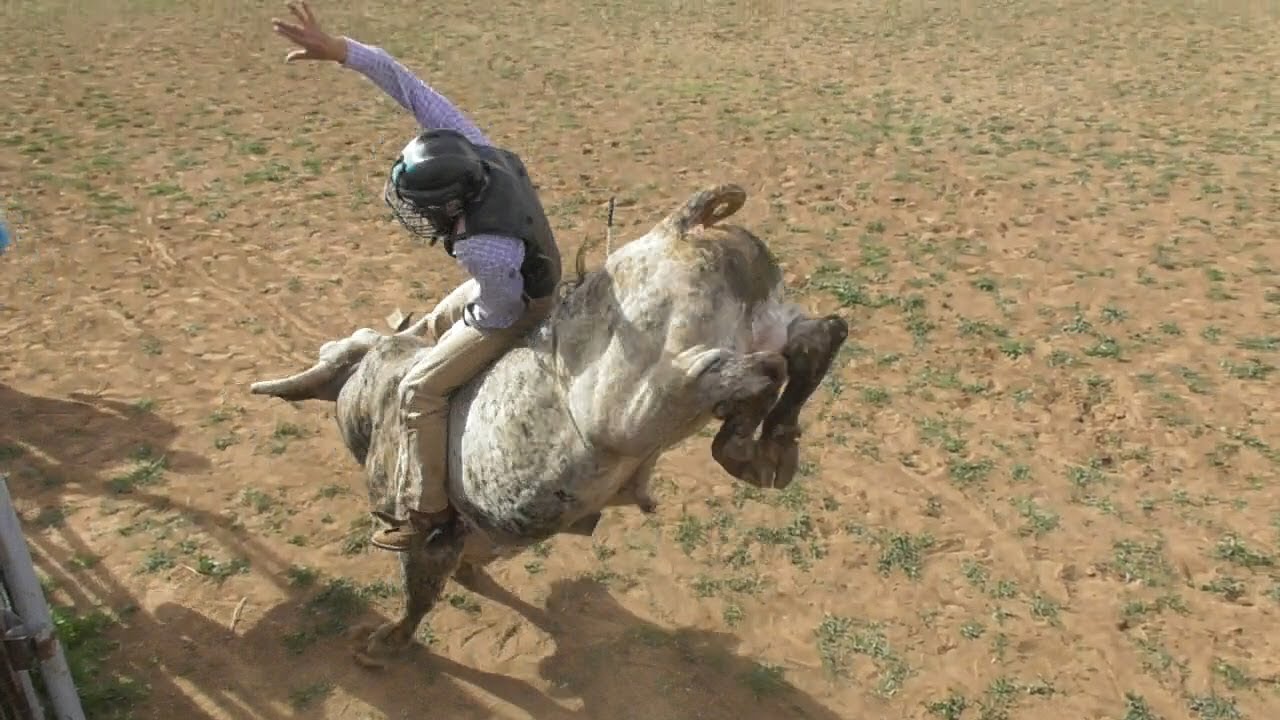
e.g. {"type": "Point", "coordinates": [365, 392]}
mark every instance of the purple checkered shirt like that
{"type": "Point", "coordinates": [493, 260]}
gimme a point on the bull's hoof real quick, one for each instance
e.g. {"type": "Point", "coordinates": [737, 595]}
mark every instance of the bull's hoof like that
{"type": "Point", "coordinates": [380, 643]}
{"type": "Point", "coordinates": [466, 575]}
{"type": "Point", "coordinates": [585, 526]}
{"type": "Point", "coordinates": [360, 635]}
{"type": "Point", "coordinates": [780, 452]}
{"type": "Point", "coordinates": [361, 631]}
{"type": "Point", "coordinates": [369, 663]}
{"type": "Point", "coordinates": [392, 637]}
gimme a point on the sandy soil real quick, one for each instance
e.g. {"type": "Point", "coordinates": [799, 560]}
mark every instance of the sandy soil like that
{"type": "Point", "coordinates": [1041, 482]}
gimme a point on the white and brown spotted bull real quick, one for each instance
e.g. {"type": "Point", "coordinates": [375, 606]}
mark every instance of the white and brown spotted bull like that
{"type": "Point", "coordinates": [685, 324]}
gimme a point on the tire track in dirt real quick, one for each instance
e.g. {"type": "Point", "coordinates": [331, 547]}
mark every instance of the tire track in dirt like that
{"type": "Point", "coordinates": [231, 294]}
{"type": "Point", "coordinates": [281, 312]}
{"type": "Point", "coordinates": [245, 284]}
{"type": "Point", "coordinates": [158, 248]}
{"type": "Point", "coordinates": [282, 347]}
{"type": "Point", "coordinates": [20, 327]}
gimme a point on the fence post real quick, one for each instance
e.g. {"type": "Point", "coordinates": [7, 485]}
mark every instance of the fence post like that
{"type": "Point", "coordinates": [30, 604]}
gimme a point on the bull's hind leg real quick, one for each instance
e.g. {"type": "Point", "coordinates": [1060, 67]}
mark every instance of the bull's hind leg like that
{"type": "Point", "coordinates": [426, 567]}
{"type": "Point", "coordinates": [812, 344]}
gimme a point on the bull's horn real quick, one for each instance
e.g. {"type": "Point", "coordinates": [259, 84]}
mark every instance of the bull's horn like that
{"type": "Point", "coordinates": [302, 386]}
{"type": "Point", "coordinates": [707, 207]}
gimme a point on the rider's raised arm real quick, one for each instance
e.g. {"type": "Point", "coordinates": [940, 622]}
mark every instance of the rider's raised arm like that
{"type": "Point", "coordinates": [431, 109]}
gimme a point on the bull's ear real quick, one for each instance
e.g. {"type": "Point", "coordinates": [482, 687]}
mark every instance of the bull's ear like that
{"type": "Point", "coordinates": [315, 383]}
{"type": "Point", "coordinates": [706, 208]}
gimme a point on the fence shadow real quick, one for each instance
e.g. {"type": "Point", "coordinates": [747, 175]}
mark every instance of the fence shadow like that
{"type": "Point", "coordinates": [279, 664]}
{"type": "Point", "coordinates": [73, 442]}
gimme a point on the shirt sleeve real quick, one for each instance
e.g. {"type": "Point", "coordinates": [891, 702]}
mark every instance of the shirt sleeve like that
{"type": "Point", "coordinates": [430, 108]}
{"type": "Point", "coordinates": [494, 261]}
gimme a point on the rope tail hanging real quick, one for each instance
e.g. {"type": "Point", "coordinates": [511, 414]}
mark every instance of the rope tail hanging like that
{"type": "Point", "coordinates": [580, 257]}
{"type": "Point", "coordinates": [608, 230]}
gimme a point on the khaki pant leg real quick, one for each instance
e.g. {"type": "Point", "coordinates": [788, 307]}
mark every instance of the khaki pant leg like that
{"type": "Point", "coordinates": [461, 353]}
{"type": "Point", "coordinates": [446, 313]}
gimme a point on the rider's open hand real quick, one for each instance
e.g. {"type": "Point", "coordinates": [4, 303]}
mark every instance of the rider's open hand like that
{"type": "Point", "coordinates": [316, 44]}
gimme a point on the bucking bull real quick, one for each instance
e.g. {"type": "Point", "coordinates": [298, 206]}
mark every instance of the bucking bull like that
{"type": "Point", "coordinates": [685, 324]}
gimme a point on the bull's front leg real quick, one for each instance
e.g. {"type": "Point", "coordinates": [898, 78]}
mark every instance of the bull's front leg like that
{"type": "Point", "coordinates": [638, 490]}
{"type": "Point", "coordinates": [741, 388]}
{"type": "Point", "coordinates": [812, 344]}
{"type": "Point", "coordinates": [426, 566]}
{"type": "Point", "coordinates": [772, 460]}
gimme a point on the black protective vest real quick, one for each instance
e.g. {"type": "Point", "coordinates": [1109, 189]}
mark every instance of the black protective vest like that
{"type": "Point", "coordinates": [509, 205]}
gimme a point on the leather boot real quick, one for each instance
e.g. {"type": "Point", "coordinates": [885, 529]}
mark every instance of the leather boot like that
{"type": "Point", "coordinates": [402, 533]}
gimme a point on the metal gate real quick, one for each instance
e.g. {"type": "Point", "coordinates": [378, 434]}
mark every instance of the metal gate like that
{"type": "Point", "coordinates": [29, 648]}
{"type": "Point", "coordinates": [16, 691]}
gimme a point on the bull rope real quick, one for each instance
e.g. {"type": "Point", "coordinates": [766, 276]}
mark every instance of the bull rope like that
{"type": "Point", "coordinates": [580, 269]}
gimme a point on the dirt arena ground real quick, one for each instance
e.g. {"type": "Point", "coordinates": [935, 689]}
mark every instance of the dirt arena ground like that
{"type": "Point", "coordinates": [1040, 483]}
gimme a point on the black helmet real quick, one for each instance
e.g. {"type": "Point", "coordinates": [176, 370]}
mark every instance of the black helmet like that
{"type": "Point", "coordinates": [436, 176]}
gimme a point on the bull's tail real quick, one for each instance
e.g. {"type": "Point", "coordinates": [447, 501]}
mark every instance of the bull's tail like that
{"type": "Point", "coordinates": [705, 208]}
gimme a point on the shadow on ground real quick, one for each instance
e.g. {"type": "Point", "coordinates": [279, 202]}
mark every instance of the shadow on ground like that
{"type": "Point", "coordinates": [78, 442]}
{"type": "Point", "coordinates": [296, 656]}
{"type": "Point", "coordinates": [607, 661]}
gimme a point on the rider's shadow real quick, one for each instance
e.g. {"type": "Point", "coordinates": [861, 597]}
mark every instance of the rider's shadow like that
{"type": "Point", "coordinates": [622, 666]}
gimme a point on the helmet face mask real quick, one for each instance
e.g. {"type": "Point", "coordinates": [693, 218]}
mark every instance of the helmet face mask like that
{"type": "Point", "coordinates": [430, 185]}
{"type": "Point", "coordinates": [422, 219]}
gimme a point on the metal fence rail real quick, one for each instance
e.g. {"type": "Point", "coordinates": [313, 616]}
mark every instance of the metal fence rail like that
{"type": "Point", "coordinates": [28, 644]}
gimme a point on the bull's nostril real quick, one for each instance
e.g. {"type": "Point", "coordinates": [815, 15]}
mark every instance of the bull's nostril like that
{"type": "Point", "coordinates": [837, 328]}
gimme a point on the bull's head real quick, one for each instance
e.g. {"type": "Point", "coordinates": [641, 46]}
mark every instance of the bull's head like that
{"type": "Point", "coordinates": [324, 380]}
